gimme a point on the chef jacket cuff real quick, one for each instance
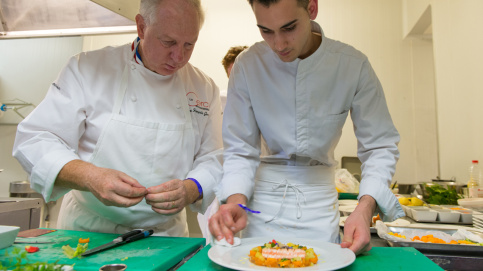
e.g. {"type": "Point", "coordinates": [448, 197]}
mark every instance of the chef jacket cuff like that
{"type": "Point", "coordinates": [45, 172]}
{"type": "Point", "coordinates": [385, 199]}
{"type": "Point", "coordinates": [234, 184]}
{"type": "Point", "coordinates": [208, 184]}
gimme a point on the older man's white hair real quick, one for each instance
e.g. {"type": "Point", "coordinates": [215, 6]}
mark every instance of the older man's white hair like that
{"type": "Point", "coordinates": [148, 9]}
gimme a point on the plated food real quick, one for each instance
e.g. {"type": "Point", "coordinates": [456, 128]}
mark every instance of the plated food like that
{"type": "Point", "coordinates": [330, 256]}
{"type": "Point", "coordinates": [277, 254]}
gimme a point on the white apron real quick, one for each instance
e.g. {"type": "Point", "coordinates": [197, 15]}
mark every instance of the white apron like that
{"type": "Point", "coordinates": [298, 201]}
{"type": "Point", "coordinates": [152, 153]}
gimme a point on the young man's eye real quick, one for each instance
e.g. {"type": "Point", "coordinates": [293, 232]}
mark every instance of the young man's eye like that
{"type": "Point", "coordinates": [267, 31]}
{"type": "Point", "coordinates": [290, 28]}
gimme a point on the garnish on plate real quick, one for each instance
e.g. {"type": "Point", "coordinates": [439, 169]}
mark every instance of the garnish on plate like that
{"type": "Point", "coordinates": [276, 254]}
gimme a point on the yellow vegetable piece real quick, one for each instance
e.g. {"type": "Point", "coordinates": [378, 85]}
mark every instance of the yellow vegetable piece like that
{"type": "Point", "coordinates": [416, 202]}
{"type": "Point", "coordinates": [83, 241]}
{"type": "Point", "coordinates": [404, 201]}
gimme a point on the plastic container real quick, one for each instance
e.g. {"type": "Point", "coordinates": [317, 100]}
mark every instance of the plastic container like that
{"type": "Point", "coordinates": [474, 180]}
{"type": "Point", "coordinates": [475, 203]}
{"type": "Point", "coordinates": [448, 216]}
{"type": "Point", "coordinates": [8, 235]}
{"type": "Point", "coordinates": [424, 214]}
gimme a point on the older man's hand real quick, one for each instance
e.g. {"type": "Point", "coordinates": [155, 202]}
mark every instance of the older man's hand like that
{"type": "Point", "coordinates": [171, 197]}
{"type": "Point", "coordinates": [111, 187]}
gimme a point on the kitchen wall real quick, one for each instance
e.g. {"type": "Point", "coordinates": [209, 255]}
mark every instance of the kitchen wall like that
{"type": "Point", "coordinates": [432, 85]}
{"type": "Point", "coordinates": [457, 42]}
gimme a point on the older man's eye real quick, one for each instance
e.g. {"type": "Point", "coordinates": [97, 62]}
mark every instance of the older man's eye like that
{"type": "Point", "coordinates": [168, 43]}
{"type": "Point", "coordinates": [189, 46]}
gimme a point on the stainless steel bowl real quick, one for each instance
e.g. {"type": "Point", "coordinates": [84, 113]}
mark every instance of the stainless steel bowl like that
{"type": "Point", "coordinates": [421, 188]}
{"type": "Point", "coordinates": [406, 188]}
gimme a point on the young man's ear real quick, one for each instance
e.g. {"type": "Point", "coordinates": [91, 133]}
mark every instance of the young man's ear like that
{"type": "Point", "coordinates": [140, 25]}
{"type": "Point", "coordinates": [313, 9]}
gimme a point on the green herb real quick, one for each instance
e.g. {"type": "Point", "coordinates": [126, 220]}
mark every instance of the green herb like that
{"type": "Point", "coordinates": [18, 260]}
{"type": "Point", "coordinates": [71, 253]}
{"type": "Point", "coordinates": [441, 195]}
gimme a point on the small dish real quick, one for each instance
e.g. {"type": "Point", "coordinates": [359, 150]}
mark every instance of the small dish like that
{"type": "Point", "coordinates": [448, 216]}
{"type": "Point", "coordinates": [424, 214]}
{"type": "Point", "coordinates": [466, 217]}
{"type": "Point", "coordinates": [8, 235]}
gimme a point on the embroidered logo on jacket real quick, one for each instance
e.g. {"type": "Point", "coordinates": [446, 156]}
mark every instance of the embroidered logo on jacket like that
{"type": "Point", "coordinates": [197, 106]}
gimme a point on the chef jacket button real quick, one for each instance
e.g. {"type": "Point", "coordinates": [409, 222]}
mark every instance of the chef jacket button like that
{"type": "Point", "coordinates": [133, 67]}
{"type": "Point", "coordinates": [178, 106]}
{"type": "Point", "coordinates": [133, 98]}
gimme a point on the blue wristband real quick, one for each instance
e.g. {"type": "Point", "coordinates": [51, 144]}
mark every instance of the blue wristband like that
{"type": "Point", "coordinates": [200, 190]}
{"type": "Point", "coordinates": [248, 210]}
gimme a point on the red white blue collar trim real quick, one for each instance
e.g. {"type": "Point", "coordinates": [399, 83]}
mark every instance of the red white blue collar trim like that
{"type": "Point", "coordinates": [135, 46]}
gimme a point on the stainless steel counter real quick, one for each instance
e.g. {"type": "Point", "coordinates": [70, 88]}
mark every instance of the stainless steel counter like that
{"type": "Point", "coordinates": [21, 212]}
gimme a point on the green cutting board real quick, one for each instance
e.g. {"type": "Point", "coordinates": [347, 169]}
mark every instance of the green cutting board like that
{"type": "Point", "coordinates": [152, 253]}
{"type": "Point", "coordinates": [378, 258]}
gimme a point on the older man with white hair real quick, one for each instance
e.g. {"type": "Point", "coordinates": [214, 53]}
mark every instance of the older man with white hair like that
{"type": "Point", "coordinates": [131, 135]}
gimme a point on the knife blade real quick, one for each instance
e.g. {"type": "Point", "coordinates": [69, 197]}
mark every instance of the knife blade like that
{"type": "Point", "coordinates": [122, 239]}
{"type": "Point", "coordinates": [34, 242]}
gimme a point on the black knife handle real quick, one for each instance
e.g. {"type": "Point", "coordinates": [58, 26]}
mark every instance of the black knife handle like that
{"type": "Point", "coordinates": [125, 236]}
{"type": "Point", "coordinates": [138, 236]}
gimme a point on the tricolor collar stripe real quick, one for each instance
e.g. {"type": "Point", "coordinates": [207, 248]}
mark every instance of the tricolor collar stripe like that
{"type": "Point", "coordinates": [137, 56]}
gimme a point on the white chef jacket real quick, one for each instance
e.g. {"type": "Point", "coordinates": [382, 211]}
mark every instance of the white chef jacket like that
{"type": "Point", "coordinates": [67, 124]}
{"type": "Point", "coordinates": [300, 108]}
{"type": "Point", "coordinates": [223, 94]}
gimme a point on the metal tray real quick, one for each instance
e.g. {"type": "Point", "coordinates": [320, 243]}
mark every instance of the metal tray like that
{"type": "Point", "coordinates": [440, 222]}
{"type": "Point", "coordinates": [437, 248]}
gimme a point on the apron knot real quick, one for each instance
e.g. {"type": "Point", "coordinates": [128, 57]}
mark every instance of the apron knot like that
{"type": "Point", "coordinates": [297, 192]}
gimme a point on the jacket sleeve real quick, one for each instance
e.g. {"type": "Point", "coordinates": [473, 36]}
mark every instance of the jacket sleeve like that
{"type": "Point", "coordinates": [48, 138]}
{"type": "Point", "coordinates": [208, 160]}
{"type": "Point", "coordinates": [377, 142]}
{"type": "Point", "coordinates": [241, 139]}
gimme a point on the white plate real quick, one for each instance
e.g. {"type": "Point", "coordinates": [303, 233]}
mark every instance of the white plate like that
{"type": "Point", "coordinates": [344, 202]}
{"type": "Point", "coordinates": [396, 223]}
{"type": "Point", "coordinates": [331, 256]}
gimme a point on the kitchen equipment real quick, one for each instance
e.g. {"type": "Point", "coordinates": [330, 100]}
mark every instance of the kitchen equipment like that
{"type": "Point", "coordinates": [123, 239]}
{"type": "Point", "coordinates": [421, 187]}
{"type": "Point", "coordinates": [153, 253]}
{"type": "Point", "coordinates": [405, 188]}
{"type": "Point", "coordinates": [21, 189]}
{"type": "Point", "coordinates": [439, 214]}
{"type": "Point", "coordinates": [21, 212]}
{"type": "Point", "coordinates": [435, 247]}
{"type": "Point", "coordinates": [450, 184]}
{"type": "Point", "coordinates": [8, 235]}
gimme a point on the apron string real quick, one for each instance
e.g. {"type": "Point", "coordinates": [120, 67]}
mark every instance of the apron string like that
{"type": "Point", "coordinates": [297, 191]}
{"type": "Point", "coordinates": [121, 92]}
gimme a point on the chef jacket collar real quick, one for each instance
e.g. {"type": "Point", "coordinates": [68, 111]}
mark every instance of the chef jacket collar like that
{"type": "Point", "coordinates": [137, 56]}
